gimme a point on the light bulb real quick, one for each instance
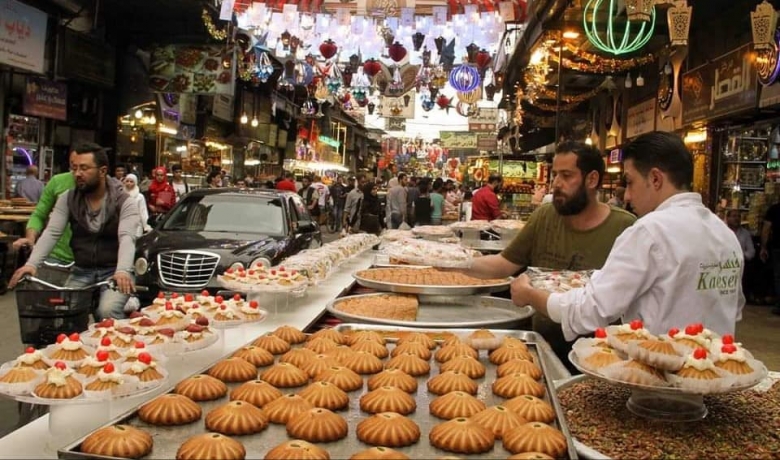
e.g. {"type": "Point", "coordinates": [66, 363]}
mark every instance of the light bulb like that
{"type": "Point", "coordinates": [244, 119]}
{"type": "Point", "coordinates": [668, 69]}
{"type": "Point", "coordinates": [628, 81]}
{"type": "Point", "coordinates": [589, 141]}
{"type": "Point", "coordinates": [139, 113]}
{"type": "Point", "coordinates": [640, 80]}
{"type": "Point", "coordinates": [255, 122]}
{"type": "Point", "coordinates": [152, 120]}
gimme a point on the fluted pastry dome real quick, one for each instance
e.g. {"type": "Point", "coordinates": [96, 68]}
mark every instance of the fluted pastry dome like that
{"type": "Point", "coordinates": [370, 346]}
{"type": "Point", "coordinates": [521, 366]}
{"type": "Point", "coordinates": [601, 358]}
{"type": "Point", "coordinates": [448, 352]}
{"type": "Point", "coordinates": [290, 334]}
{"type": "Point", "coordinates": [365, 335]}
{"type": "Point", "coordinates": [321, 345]}
{"type": "Point", "coordinates": [461, 435]}
{"type": "Point", "coordinates": [256, 392]}
{"type": "Point", "coordinates": [514, 341]}
{"type": "Point", "coordinates": [201, 387]}
{"type": "Point", "coordinates": [409, 363]}
{"type": "Point", "coordinates": [273, 344]}
{"type": "Point", "coordinates": [535, 437]}
{"type": "Point", "coordinates": [378, 453]}
{"type": "Point", "coordinates": [19, 375]}
{"type": "Point", "coordinates": [531, 408]}
{"type": "Point", "coordinates": [285, 375]}
{"type": "Point", "coordinates": [388, 429]}
{"type": "Point", "coordinates": [170, 410]}
{"type": "Point", "coordinates": [280, 410]}
{"type": "Point", "coordinates": [363, 363]}
{"type": "Point", "coordinates": [508, 352]}
{"type": "Point", "coordinates": [455, 404]}
{"type": "Point", "coordinates": [418, 337]}
{"type": "Point", "coordinates": [388, 399]}
{"type": "Point", "coordinates": [466, 365]}
{"type": "Point", "coordinates": [318, 363]}
{"type": "Point", "coordinates": [450, 340]}
{"type": "Point", "coordinates": [211, 445]}
{"type": "Point", "coordinates": [498, 419]}
{"type": "Point", "coordinates": [233, 370]}
{"type": "Point", "coordinates": [236, 418]}
{"type": "Point", "coordinates": [450, 381]}
{"type": "Point", "coordinates": [393, 378]}
{"type": "Point", "coordinates": [330, 334]}
{"type": "Point", "coordinates": [414, 348]}
{"type": "Point", "coordinates": [297, 449]}
{"type": "Point", "coordinates": [317, 425]}
{"type": "Point", "coordinates": [483, 339]}
{"type": "Point", "coordinates": [297, 357]}
{"type": "Point", "coordinates": [340, 353]}
{"type": "Point", "coordinates": [517, 384]}
{"type": "Point", "coordinates": [343, 377]}
{"type": "Point", "coordinates": [530, 456]}
{"type": "Point", "coordinates": [50, 390]}
{"type": "Point", "coordinates": [325, 395]}
{"type": "Point", "coordinates": [258, 356]}
{"type": "Point", "coordinates": [123, 441]}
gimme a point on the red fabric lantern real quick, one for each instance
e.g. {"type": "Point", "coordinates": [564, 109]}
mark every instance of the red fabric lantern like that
{"type": "Point", "coordinates": [372, 67]}
{"type": "Point", "coordinates": [397, 52]}
{"type": "Point", "coordinates": [483, 59]}
{"type": "Point", "coordinates": [328, 49]}
{"type": "Point", "coordinates": [443, 101]}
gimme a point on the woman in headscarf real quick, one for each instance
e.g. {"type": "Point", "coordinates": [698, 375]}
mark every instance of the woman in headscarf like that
{"type": "Point", "coordinates": [131, 187]}
{"type": "Point", "coordinates": [370, 210]}
{"type": "Point", "coordinates": [162, 196]}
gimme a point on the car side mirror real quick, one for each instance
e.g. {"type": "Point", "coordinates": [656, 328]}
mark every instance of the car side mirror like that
{"type": "Point", "coordinates": [307, 227]}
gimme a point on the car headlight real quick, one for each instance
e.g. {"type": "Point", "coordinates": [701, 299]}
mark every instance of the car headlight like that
{"type": "Point", "coordinates": [261, 261]}
{"type": "Point", "coordinates": [141, 266]}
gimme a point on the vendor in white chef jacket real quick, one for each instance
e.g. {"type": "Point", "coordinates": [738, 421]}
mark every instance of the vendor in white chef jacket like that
{"type": "Point", "coordinates": [678, 264]}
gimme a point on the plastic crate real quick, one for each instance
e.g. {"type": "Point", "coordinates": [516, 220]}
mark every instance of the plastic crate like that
{"type": "Point", "coordinates": [46, 313]}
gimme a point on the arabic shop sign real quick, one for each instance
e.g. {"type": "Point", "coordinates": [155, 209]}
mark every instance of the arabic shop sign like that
{"type": "Point", "coordinates": [22, 36]}
{"type": "Point", "coordinates": [44, 98]}
{"type": "Point", "coordinates": [726, 85]}
{"type": "Point", "coordinates": [329, 141]}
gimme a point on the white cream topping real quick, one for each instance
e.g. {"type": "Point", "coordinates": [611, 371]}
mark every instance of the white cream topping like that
{"type": "Point", "coordinates": [58, 377]}
{"type": "Point", "coordinates": [102, 331]}
{"type": "Point", "coordinates": [93, 362]}
{"type": "Point", "coordinates": [699, 364]}
{"type": "Point", "coordinates": [738, 355]}
{"type": "Point", "coordinates": [138, 367]}
{"type": "Point", "coordinates": [172, 314]}
{"type": "Point", "coordinates": [249, 310]}
{"type": "Point", "coordinates": [698, 338]}
{"type": "Point", "coordinates": [196, 335]}
{"type": "Point", "coordinates": [108, 348]}
{"type": "Point", "coordinates": [227, 314]}
{"type": "Point", "coordinates": [626, 329]}
{"type": "Point", "coordinates": [112, 377]}
{"type": "Point", "coordinates": [159, 301]}
{"type": "Point", "coordinates": [30, 358]}
{"type": "Point", "coordinates": [205, 299]}
{"type": "Point", "coordinates": [124, 337]}
{"type": "Point", "coordinates": [69, 345]}
{"type": "Point", "coordinates": [134, 352]}
{"type": "Point", "coordinates": [145, 331]}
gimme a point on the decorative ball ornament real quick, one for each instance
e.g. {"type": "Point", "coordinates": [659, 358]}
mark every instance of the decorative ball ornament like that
{"type": "Point", "coordinates": [465, 109]}
{"type": "Point", "coordinates": [464, 78]}
{"type": "Point", "coordinates": [372, 67]}
{"type": "Point", "coordinates": [635, 35]}
{"type": "Point", "coordinates": [397, 52]}
{"type": "Point", "coordinates": [328, 49]}
{"type": "Point", "coordinates": [443, 102]}
{"type": "Point", "coordinates": [471, 97]}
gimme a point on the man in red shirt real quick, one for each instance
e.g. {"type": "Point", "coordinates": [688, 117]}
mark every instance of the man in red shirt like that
{"type": "Point", "coordinates": [484, 205]}
{"type": "Point", "coordinates": [287, 184]}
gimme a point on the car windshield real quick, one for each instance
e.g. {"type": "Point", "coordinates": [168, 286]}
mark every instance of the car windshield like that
{"type": "Point", "coordinates": [229, 213]}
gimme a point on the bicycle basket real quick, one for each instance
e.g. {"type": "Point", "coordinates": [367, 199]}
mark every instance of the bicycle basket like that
{"type": "Point", "coordinates": [46, 313]}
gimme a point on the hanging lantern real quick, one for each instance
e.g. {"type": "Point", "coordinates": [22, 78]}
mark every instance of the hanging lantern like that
{"type": "Point", "coordinates": [434, 92]}
{"type": "Point", "coordinates": [482, 59]}
{"type": "Point", "coordinates": [443, 101]}
{"type": "Point", "coordinates": [285, 38]}
{"type": "Point", "coordinates": [307, 108]}
{"type": "Point", "coordinates": [632, 38]}
{"type": "Point", "coordinates": [417, 40]}
{"type": "Point", "coordinates": [465, 110]}
{"type": "Point", "coordinates": [640, 10]}
{"type": "Point", "coordinates": [372, 67]}
{"type": "Point", "coordinates": [464, 78]}
{"type": "Point", "coordinates": [264, 67]}
{"type": "Point", "coordinates": [371, 106]}
{"type": "Point", "coordinates": [679, 19]}
{"type": "Point", "coordinates": [295, 42]}
{"type": "Point", "coordinates": [764, 22]}
{"type": "Point", "coordinates": [387, 35]}
{"type": "Point", "coordinates": [397, 52]}
{"type": "Point", "coordinates": [490, 91]}
{"type": "Point", "coordinates": [328, 49]}
{"type": "Point", "coordinates": [439, 41]}
{"type": "Point", "coordinates": [470, 97]}
{"type": "Point", "coordinates": [321, 93]}
{"type": "Point", "coordinates": [426, 57]}
{"type": "Point", "coordinates": [346, 76]}
{"type": "Point", "coordinates": [471, 53]}
{"type": "Point", "coordinates": [354, 61]}
{"type": "Point", "coordinates": [304, 73]}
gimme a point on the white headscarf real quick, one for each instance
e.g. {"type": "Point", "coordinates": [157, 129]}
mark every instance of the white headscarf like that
{"type": "Point", "coordinates": [133, 192]}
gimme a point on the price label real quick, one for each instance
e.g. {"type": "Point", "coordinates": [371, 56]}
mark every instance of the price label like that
{"type": "Point", "coordinates": [439, 15]}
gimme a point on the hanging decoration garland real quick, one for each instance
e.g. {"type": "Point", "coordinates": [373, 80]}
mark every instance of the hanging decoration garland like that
{"type": "Point", "coordinates": [215, 32]}
{"type": "Point", "coordinates": [599, 65]}
{"type": "Point", "coordinates": [629, 42]}
{"type": "Point", "coordinates": [550, 93]}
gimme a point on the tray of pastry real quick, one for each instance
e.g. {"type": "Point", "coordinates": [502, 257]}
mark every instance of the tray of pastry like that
{"type": "Point", "coordinates": [429, 311]}
{"type": "Point", "coordinates": [427, 280]}
{"type": "Point", "coordinates": [357, 403]}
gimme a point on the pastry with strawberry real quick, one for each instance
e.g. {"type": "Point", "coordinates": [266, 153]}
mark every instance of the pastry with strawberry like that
{"type": "Point", "coordinates": [196, 332]}
{"type": "Point", "coordinates": [252, 311]}
{"type": "Point", "coordinates": [738, 362]}
{"type": "Point", "coordinates": [225, 313]}
{"type": "Point", "coordinates": [692, 337]}
{"type": "Point", "coordinates": [93, 364]}
{"type": "Point", "coordinates": [59, 383]}
{"type": "Point", "coordinates": [146, 327]}
{"type": "Point", "coordinates": [31, 358]}
{"type": "Point", "coordinates": [164, 335]}
{"type": "Point", "coordinates": [108, 378]}
{"type": "Point", "coordinates": [107, 345]}
{"type": "Point", "coordinates": [131, 354]}
{"type": "Point", "coordinates": [69, 348]}
{"type": "Point", "coordinates": [102, 328]}
{"type": "Point", "coordinates": [699, 374]}
{"type": "Point", "coordinates": [618, 337]}
{"type": "Point", "coordinates": [171, 317]}
{"type": "Point", "coordinates": [146, 369]}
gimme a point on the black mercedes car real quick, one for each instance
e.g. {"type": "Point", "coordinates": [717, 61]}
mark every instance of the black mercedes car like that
{"type": "Point", "coordinates": [210, 230]}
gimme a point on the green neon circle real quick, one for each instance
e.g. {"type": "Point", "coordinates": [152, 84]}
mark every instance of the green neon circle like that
{"type": "Point", "coordinates": [611, 46]}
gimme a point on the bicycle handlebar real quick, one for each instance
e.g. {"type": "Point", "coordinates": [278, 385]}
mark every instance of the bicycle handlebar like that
{"type": "Point", "coordinates": [110, 283]}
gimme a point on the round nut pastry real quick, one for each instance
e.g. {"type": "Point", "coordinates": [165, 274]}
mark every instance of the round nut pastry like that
{"type": "Point", "coordinates": [342, 377]}
{"type": "Point", "coordinates": [498, 419]}
{"type": "Point", "coordinates": [517, 384]}
{"type": "Point", "coordinates": [535, 437]}
{"type": "Point", "coordinates": [317, 425]}
{"type": "Point", "coordinates": [388, 429]}
{"type": "Point", "coordinates": [462, 436]}
{"type": "Point", "coordinates": [330, 334]}
{"type": "Point", "coordinates": [388, 399]}
{"type": "Point", "coordinates": [320, 345]}
{"type": "Point", "coordinates": [378, 453]}
{"type": "Point", "coordinates": [232, 370]}
{"type": "Point", "coordinates": [370, 346]}
{"type": "Point", "coordinates": [531, 408]}
{"type": "Point", "coordinates": [297, 357]}
{"type": "Point", "coordinates": [236, 418]}
{"type": "Point", "coordinates": [273, 344]}
{"type": "Point", "coordinates": [363, 363]}
{"type": "Point", "coordinates": [414, 348]}
{"type": "Point", "coordinates": [450, 381]}
{"type": "Point", "coordinates": [508, 352]}
{"type": "Point", "coordinates": [319, 363]}
{"type": "Point", "coordinates": [483, 339]}
{"type": "Point", "coordinates": [325, 395]}
{"type": "Point", "coordinates": [285, 375]}
{"type": "Point", "coordinates": [465, 364]}
{"type": "Point", "coordinates": [409, 363]}
{"type": "Point", "coordinates": [256, 392]}
{"type": "Point", "coordinates": [211, 445]}
{"type": "Point", "coordinates": [340, 353]}
{"type": "Point", "coordinates": [281, 410]}
{"type": "Point", "coordinates": [530, 456]}
{"type": "Point", "coordinates": [365, 335]}
{"type": "Point", "coordinates": [201, 387]}
{"type": "Point", "coordinates": [393, 378]}
{"type": "Point", "coordinates": [454, 405]}
{"type": "Point", "coordinates": [297, 449]}
{"type": "Point", "coordinates": [418, 337]}
{"type": "Point", "coordinates": [521, 366]}
{"type": "Point", "coordinates": [170, 410]}
{"type": "Point", "coordinates": [259, 357]}
{"type": "Point", "coordinates": [290, 334]}
{"type": "Point", "coordinates": [122, 441]}
{"type": "Point", "coordinates": [448, 352]}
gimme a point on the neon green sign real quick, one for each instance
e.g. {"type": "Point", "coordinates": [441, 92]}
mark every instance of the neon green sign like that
{"type": "Point", "coordinates": [612, 44]}
{"type": "Point", "coordinates": [329, 141]}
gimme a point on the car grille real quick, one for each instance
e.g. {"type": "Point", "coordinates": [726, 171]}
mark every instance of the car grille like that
{"type": "Point", "coordinates": [187, 269]}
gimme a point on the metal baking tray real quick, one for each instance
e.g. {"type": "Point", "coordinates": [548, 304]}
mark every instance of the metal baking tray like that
{"type": "Point", "coordinates": [447, 312]}
{"type": "Point", "coordinates": [168, 439]}
{"type": "Point", "coordinates": [432, 290]}
{"type": "Point", "coordinates": [485, 245]}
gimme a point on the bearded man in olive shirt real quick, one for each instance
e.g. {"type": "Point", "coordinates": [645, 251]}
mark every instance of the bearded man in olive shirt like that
{"type": "Point", "coordinates": [575, 232]}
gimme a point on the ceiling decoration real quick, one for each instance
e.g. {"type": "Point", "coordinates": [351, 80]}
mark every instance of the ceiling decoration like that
{"type": "Point", "coordinates": [607, 37]}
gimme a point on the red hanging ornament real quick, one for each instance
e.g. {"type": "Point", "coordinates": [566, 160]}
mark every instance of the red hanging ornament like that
{"type": "Point", "coordinates": [397, 52]}
{"type": "Point", "coordinates": [443, 101]}
{"type": "Point", "coordinates": [483, 58]}
{"type": "Point", "coordinates": [328, 49]}
{"type": "Point", "coordinates": [372, 67]}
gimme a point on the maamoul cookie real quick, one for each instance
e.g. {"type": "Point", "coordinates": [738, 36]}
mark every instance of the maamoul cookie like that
{"type": "Point", "coordinates": [317, 425]}
{"type": "Point", "coordinates": [280, 410]}
{"type": "Point", "coordinates": [297, 357]}
{"type": "Point", "coordinates": [461, 435]}
{"type": "Point", "coordinates": [388, 429]}
{"type": "Point", "coordinates": [330, 334]}
{"type": "Point", "coordinates": [370, 346]}
{"type": "Point", "coordinates": [450, 381]}
{"type": "Point", "coordinates": [418, 337]}
{"type": "Point", "coordinates": [531, 408]}
{"type": "Point", "coordinates": [466, 365]}
{"type": "Point", "coordinates": [535, 437]}
{"type": "Point", "coordinates": [517, 384]}
{"type": "Point", "coordinates": [211, 445]}
{"type": "Point", "coordinates": [340, 353]}
{"type": "Point", "coordinates": [343, 377]}
{"type": "Point", "coordinates": [448, 352]}
{"type": "Point", "coordinates": [414, 348]}
{"type": "Point", "coordinates": [285, 375]}
{"type": "Point", "coordinates": [258, 356]}
{"type": "Point", "coordinates": [508, 352]}
{"type": "Point", "coordinates": [455, 404]}
{"type": "Point", "coordinates": [236, 418]}
{"type": "Point", "coordinates": [498, 419]}
{"type": "Point", "coordinates": [233, 370]}
{"type": "Point", "coordinates": [319, 363]}
{"type": "Point", "coordinates": [409, 363]}
{"type": "Point", "coordinates": [320, 345]}
{"type": "Point", "coordinates": [387, 399]}
{"type": "Point", "coordinates": [297, 449]}
{"type": "Point", "coordinates": [122, 441]}
{"type": "Point", "coordinates": [170, 410]}
{"type": "Point", "coordinates": [290, 334]}
{"type": "Point", "coordinates": [325, 395]}
{"type": "Point", "coordinates": [273, 344]}
{"type": "Point", "coordinates": [483, 339]}
{"type": "Point", "coordinates": [530, 456]}
{"type": "Point", "coordinates": [521, 366]}
{"type": "Point", "coordinates": [378, 453]}
{"type": "Point", "coordinates": [393, 378]}
{"type": "Point", "coordinates": [201, 388]}
{"type": "Point", "coordinates": [365, 335]}
{"type": "Point", "coordinates": [363, 363]}
{"type": "Point", "coordinates": [256, 392]}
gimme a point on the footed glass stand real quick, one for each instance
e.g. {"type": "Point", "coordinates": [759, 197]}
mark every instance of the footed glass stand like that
{"type": "Point", "coordinates": [667, 407]}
